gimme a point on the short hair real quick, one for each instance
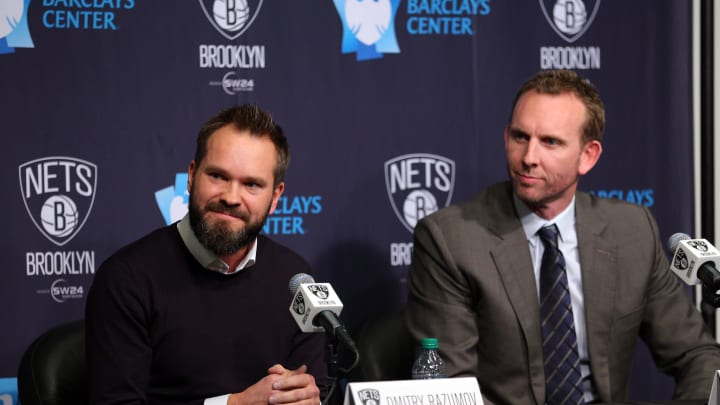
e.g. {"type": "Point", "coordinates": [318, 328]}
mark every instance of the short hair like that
{"type": "Point", "coordinates": [556, 82]}
{"type": "Point", "coordinates": [258, 123]}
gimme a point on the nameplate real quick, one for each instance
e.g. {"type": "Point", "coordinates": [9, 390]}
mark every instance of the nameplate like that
{"type": "Point", "coordinates": [715, 391]}
{"type": "Point", "coordinates": [438, 391]}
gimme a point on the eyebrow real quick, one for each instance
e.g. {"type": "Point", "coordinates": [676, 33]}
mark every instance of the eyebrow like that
{"type": "Point", "coordinates": [244, 179]}
{"type": "Point", "coordinates": [517, 131]}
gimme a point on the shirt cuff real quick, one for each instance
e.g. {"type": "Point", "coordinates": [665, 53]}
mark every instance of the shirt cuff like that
{"type": "Point", "coordinates": [221, 400]}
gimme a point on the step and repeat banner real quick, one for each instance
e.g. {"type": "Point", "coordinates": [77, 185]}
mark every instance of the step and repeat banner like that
{"type": "Point", "coordinates": [385, 103]}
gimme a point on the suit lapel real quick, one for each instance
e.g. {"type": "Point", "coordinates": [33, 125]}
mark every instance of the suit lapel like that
{"type": "Point", "coordinates": [514, 265]}
{"type": "Point", "coordinates": [598, 256]}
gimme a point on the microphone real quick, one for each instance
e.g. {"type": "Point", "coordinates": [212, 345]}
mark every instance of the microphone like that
{"type": "Point", "coordinates": [315, 308]}
{"type": "Point", "coordinates": [695, 261]}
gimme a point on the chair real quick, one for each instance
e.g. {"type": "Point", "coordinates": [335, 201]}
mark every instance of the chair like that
{"type": "Point", "coordinates": [52, 370]}
{"type": "Point", "coordinates": [386, 348]}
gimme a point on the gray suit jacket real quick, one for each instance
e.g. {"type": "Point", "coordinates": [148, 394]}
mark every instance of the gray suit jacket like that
{"type": "Point", "coordinates": [471, 285]}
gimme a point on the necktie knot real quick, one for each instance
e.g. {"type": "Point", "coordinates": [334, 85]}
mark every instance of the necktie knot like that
{"type": "Point", "coordinates": [549, 235]}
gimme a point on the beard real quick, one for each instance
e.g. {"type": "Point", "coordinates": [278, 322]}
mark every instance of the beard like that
{"type": "Point", "coordinates": [220, 238]}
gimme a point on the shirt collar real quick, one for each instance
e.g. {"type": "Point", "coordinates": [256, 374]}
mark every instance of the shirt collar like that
{"type": "Point", "coordinates": [532, 222]}
{"type": "Point", "coordinates": [207, 258]}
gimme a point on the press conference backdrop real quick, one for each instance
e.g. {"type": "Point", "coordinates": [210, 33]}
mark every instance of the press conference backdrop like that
{"type": "Point", "coordinates": [102, 100]}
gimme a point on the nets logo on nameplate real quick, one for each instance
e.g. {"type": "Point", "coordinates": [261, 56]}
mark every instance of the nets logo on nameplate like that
{"type": "Point", "coordinates": [369, 396]}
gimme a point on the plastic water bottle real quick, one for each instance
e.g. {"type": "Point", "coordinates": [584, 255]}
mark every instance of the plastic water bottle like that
{"type": "Point", "coordinates": [429, 364]}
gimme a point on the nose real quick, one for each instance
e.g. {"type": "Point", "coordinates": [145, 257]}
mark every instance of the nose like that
{"type": "Point", "coordinates": [231, 195]}
{"type": "Point", "coordinates": [530, 154]}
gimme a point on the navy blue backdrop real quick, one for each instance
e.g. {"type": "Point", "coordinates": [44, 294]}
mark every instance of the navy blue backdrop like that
{"type": "Point", "coordinates": [101, 102]}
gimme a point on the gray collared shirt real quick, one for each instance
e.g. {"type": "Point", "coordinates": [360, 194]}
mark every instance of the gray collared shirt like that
{"type": "Point", "coordinates": [208, 259]}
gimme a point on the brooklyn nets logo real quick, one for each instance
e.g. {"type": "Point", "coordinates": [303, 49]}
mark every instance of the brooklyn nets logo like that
{"type": "Point", "coordinates": [319, 291]}
{"type": "Point", "coordinates": [369, 396]}
{"type": "Point", "coordinates": [231, 17]}
{"type": "Point", "coordinates": [698, 245]}
{"type": "Point", "coordinates": [58, 193]}
{"type": "Point", "coordinates": [680, 261]}
{"type": "Point", "coordinates": [418, 184]}
{"type": "Point", "coordinates": [570, 18]}
{"type": "Point", "coordinates": [298, 304]}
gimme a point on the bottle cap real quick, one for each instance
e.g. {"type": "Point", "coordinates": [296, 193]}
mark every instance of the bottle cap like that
{"type": "Point", "coordinates": [429, 343]}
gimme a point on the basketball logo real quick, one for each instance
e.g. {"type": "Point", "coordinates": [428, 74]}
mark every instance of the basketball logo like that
{"type": "Point", "coordinates": [418, 204]}
{"type": "Point", "coordinates": [569, 16]}
{"type": "Point", "coordinates": [231, 18]}
{"type": "Point", "coordinates": [231, 15]}
{"type": "Point", "coordinates": [59, 216]}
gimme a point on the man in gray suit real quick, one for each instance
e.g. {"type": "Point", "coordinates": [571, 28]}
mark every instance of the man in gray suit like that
{"type": "Point", "coordinates": [478, 276]}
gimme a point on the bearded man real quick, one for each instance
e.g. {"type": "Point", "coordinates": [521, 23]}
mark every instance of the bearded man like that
{"type": "Point", "coordinates": [174, 318]}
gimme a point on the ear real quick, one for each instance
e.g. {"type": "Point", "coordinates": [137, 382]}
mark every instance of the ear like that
{"type": "Point", "coordinates": [276, 196]}
{"type": "Point", "coordinates": [191, 174]}
{"type": "Point", "coordinates": [506, 134]}
{"type": "Point", "coordinates": [589, 156]}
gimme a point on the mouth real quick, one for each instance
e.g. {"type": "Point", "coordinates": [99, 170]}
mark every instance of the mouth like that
{"type": "Point", "coordinates": [524, 179]}
{"type": "Point", "coordinates": [225, 214]}
{"type": "Point", "coordinates": [228, 214]}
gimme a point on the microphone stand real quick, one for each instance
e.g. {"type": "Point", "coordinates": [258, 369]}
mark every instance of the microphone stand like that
{"type": "Point", "coordinates": [334, 334]}
{"type": "Point", "coordinates": [710, 278]}
{"type": "Point", "coordinates": [708, 306]}
{"type": "Point", "coordinates": [331, 343]}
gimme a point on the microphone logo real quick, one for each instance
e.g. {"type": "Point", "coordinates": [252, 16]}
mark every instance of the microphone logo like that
{"type": "Point", "coordinates": [320, 291]}
{"type": "Point", "coordinates": [680, 261]}
{"type": "Point", "coordinates": [298, 304]}
{"type": "Point", "coordinates": [698, 245]}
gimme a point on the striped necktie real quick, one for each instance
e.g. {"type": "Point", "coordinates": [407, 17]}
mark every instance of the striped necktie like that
{"type": "Point", "coordinates": [562, 363]}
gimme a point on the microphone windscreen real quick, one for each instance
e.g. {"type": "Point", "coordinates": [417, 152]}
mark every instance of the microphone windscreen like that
{"type": "Point", "coordinates": [675, 239]}
{"type": "Point", "coordinates": [300, 278]}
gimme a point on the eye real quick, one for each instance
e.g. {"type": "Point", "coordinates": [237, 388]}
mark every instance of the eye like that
{"type": "Point", "coordinates": [552, 141]}
{"type": "Point", "coordinates": [216, 176]}
{"type": "Point", "coordinates": [518, 136]}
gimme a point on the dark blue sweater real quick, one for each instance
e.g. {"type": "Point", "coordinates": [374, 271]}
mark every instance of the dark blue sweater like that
{"type": "Point", "coordinates": [163, 330]}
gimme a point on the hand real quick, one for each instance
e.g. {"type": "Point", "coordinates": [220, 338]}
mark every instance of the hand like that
{"type": "Point", "coordinates": [294, 387]}
{"type": "Point", "coordinates": [280, 386]}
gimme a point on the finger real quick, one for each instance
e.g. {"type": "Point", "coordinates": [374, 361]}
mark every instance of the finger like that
{"type": "Point", "coordinates": [300, 370]}
{"type": "Point", "coordinates": [277, 369]}
{"type": "Point", "coordinates": [308, 395]}
{"type": "Point", "coordinates": [294, 381]}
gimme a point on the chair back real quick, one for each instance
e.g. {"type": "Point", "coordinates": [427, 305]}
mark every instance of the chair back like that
{"type": "Point", "coordinates": [53, 370]}
{"type": "Point", "coordinates": [386, 348]}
